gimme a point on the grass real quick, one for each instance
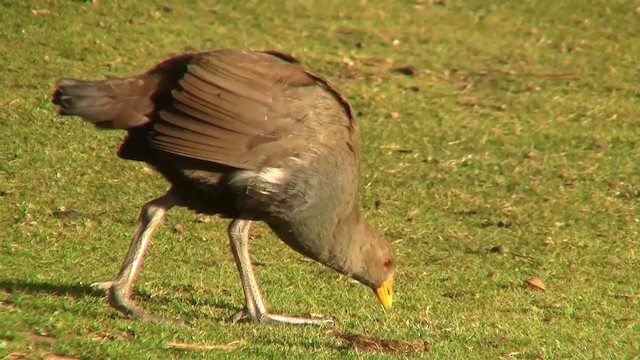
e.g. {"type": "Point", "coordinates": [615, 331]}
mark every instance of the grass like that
{"type": "Point", "coordinates": [512, 152]}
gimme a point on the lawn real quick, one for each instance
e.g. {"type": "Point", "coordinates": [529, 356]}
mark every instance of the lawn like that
{"type": "Point", "coordinates": [501, 143]}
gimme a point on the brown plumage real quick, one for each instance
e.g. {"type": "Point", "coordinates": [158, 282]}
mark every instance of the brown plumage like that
{"type": "Point", "coordinates": [250, 136]}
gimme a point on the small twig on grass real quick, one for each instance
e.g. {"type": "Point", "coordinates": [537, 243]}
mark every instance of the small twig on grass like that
{"type": "Point", "coordinates": [179, 345]}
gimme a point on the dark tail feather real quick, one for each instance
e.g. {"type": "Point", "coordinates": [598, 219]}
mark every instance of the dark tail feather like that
{"type": "Point", "coordinates": [115, 103]}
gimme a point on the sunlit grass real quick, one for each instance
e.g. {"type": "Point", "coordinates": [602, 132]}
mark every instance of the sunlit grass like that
{"type": "Point", "coordinates": [511, 153]}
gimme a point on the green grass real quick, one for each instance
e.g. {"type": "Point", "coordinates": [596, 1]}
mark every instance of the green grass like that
{"type": "Point", "coordinates": [519, 133]}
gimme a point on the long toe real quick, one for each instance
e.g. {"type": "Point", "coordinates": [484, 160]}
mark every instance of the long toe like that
{"type": "Point", "coordinates": [292, 320]}
{"type": "Point", "coordinates": [124, 304]}
{"type": "Point", "coordinates": [143, 316]}
{"type": "Point", "coordinates": [244, 316]}
{"type": "Point", "coordinates": [102, 285]}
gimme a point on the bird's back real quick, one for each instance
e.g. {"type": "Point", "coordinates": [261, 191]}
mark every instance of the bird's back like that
{"type": "Point", "coordinates": [240, 134]}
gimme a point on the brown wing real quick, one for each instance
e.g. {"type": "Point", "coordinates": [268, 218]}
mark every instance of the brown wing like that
{"type": "Point", "coordinates": [240, 108]}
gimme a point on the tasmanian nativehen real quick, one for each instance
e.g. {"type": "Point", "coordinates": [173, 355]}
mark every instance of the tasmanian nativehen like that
{"type": "Point", "coordinates": [249, 136]}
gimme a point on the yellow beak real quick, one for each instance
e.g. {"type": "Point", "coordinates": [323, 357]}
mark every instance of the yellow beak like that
{"type": "Point", "coordinates": [385, 293]}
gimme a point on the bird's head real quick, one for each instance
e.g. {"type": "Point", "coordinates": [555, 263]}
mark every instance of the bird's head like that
{"type": "Point", "coordinates": [377, 265]}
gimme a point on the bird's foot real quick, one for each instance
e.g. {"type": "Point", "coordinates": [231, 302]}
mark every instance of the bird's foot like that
{"type": "Point", "coordinates": [266, 318]}
{"type": "Point", "coordinates": [121, 301]}
{"type": "Point", "coordinates": [102, 285]}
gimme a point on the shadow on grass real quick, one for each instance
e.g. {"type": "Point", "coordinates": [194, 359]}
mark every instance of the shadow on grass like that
{"type": "Point", "coordinates": [34, 287]}
{"type": "Point", "coordinates": [80, 291]}
{"type": "Point", "coordinates": [191, 301]}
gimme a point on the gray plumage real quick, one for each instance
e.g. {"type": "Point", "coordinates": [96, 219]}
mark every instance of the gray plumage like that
{"type": "Point", "coordinates": [247, 136]}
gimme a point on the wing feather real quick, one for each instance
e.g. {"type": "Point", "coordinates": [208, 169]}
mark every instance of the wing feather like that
{"type": "Point", "coordinates": [241, 109]}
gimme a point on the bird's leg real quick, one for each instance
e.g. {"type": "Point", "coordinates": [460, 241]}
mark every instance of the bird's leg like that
{"type": "Point", "coordinates": [151, 216]}
{"type": "Point", "coordinates": [238, 239]}
{"type": "Point", "coordinates": [255, 309]}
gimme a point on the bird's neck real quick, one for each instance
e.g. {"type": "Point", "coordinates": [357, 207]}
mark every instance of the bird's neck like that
{"type": "Point", "coordinates": [329, 241]}
{"type": "Point", "coordinates": [349, 238]}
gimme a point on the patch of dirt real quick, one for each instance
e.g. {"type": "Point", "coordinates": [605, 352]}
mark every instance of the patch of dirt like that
{"type": "Point", "coordinates": [36, 338]}
{"type": "Point", "coordinates": [364, 343]}
{"type": "Point", "coordinates": [64, 213]}
{"type": "Point", "coordinates": [40, 339]}
{"type": "Point", "coordinates": [408, 70]}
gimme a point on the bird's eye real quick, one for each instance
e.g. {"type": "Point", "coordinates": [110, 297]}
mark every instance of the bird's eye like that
{"type": "Point", "coordinates": [387, 263]}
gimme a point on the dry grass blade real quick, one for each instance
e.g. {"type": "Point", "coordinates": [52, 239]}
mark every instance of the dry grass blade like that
{"type": "Point", "coordinates": [190, 346]}
{"type": "Point", "coordinates": [16, 356]}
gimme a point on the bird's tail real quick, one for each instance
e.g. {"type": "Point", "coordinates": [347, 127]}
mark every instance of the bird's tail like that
{"type": "Point", "coordinates": [113, 103]}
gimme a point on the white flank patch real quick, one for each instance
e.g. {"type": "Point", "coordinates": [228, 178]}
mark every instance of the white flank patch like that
{"type": "Point", "coordinates": [241, 178]}
{"type": "Point", "coordinates": [272, 175]}
{"type": "Point", "coordinates": [265, 181]}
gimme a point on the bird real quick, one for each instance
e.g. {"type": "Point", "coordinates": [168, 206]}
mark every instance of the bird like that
{"type": "Point", "coordinates": [247, 136]}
